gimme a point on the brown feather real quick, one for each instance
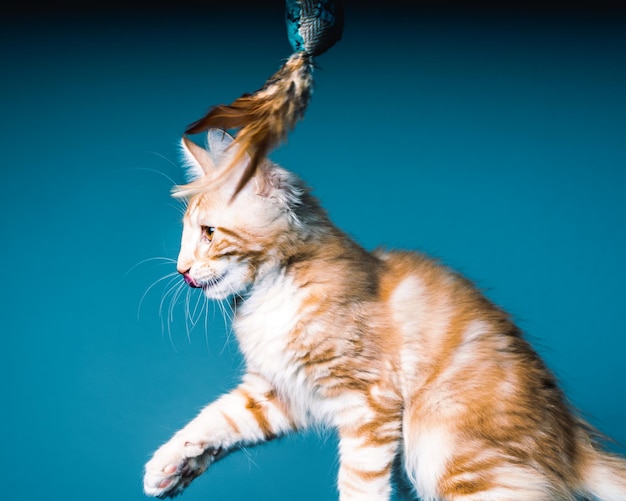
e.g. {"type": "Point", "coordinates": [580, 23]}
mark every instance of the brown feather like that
{"type": "Point", "coordinates": [264, 117]}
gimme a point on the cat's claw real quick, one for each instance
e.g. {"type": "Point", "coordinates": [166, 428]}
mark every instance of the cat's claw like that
{"type": "Point", "coordinates": [173, 468]}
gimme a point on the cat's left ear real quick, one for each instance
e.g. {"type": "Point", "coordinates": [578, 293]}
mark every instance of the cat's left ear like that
{"type": "Point", "coordinates": [198, 162]}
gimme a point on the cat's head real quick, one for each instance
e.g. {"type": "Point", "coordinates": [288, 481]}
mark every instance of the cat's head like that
{"type": "Point", "coordinates": [229, 242]}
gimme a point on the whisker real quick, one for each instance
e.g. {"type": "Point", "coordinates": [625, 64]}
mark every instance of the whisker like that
{"type": "Point", "coordinates": [180, 207]}
{"type": "Point", "coordinates": [170, 276]}
{"type": "Point", "coordinates": [156, 171]}
{"type": "Point", "coordinates": [170, 311]}
{"type": "Point", "coordinates": [175, 297]}
{"type": "Point", "coordinates": [227, 317]}
{"type": "Point", "coordinates": [194, 316]}
{"type": "Point", "coordinates": [182, 204]}
{"type": "Point", "coordinates": [248, 455]}
{"type": "Point", "coordinates": [171, 288]}
{"type": "Point", "coordinates": [171, 292]}
{"type": "Point", "coordinates": [190, 316]}
{"type": "Point", "coordinates": [226, 314]}
{"type": "Point", "coordinates": [166, 260]}
{"type": "Point", "coordinates": [186, 310]}
{"type": "Point", "coordinates": [206, 322]}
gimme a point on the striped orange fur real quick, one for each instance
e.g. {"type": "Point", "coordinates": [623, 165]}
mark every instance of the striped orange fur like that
{"type": "Point", "coordinates": [404, 357]}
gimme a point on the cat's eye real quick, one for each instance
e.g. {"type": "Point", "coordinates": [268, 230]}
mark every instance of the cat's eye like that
{"type": "Point", "coordinates": [207, 232]}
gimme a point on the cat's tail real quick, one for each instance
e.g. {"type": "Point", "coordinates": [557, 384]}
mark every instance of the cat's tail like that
{"type": "Point", "coordinates": [603, 475]}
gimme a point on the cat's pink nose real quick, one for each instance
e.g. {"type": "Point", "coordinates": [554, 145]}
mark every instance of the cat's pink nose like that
{"type": "Point", "coordinates": [189, 280]}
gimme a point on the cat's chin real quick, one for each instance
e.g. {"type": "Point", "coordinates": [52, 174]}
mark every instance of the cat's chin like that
{"type": "Point", "coordinates": [209, 287]}
{"type": "Point", "coordinates": [215, 293]}
{"type": "Point", "coordinates": [232, 282]}
{"type": "Point", "coordinates": [218, 288]}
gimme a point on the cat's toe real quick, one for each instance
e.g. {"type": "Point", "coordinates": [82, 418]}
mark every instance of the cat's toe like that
{"type": "Point", "coordinates": [167, 475]}
{"type": "Point", "coordinates": [160, 482]}
{"type": "Point", "coordinates": [164, 472]}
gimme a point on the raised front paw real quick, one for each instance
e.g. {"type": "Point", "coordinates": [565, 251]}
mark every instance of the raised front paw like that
{"type": "Point", "coordinates": [175, 464]}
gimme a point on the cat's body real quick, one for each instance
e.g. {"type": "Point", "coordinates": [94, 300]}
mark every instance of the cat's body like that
{"type": "Point", "coordinates": [405, 358]}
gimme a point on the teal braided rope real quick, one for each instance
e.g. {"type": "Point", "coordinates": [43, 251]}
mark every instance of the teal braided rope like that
{"type": "Point", "coordinates": [314, 26]}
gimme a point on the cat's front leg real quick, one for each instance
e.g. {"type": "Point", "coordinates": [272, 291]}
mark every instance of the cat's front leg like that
{"type": "Point", "coordinates": [250, 414]}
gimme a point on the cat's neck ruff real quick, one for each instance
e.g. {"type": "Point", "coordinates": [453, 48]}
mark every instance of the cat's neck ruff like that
{"type": "Point", "coordinates": [264, 325]}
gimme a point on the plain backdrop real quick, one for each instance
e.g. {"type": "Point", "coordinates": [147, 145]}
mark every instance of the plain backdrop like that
{"type": "Point", "coordinates": [492, 139]}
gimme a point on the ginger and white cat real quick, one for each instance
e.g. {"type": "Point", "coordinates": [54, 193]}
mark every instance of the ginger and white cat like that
{"type": "Point", "coordinates": [409, 362]}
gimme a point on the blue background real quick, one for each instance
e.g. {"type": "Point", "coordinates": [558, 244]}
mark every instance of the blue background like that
{"type": "Point", "coordinates": [495, 140]}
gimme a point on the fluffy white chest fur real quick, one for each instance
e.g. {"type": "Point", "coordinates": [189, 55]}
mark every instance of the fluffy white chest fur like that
{"type": "Point", "coordinates": [265, 326]}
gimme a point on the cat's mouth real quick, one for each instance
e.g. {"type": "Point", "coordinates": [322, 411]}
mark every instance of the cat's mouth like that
{"type": "Point", "coordinates": [207, 284]}
{"type": "Point", "coordinates": [190, 281]}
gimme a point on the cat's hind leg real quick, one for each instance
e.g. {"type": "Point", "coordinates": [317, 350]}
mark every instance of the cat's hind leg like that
{"type": "Point", "coordinates": [369, 441]}
{"type": "Point", "coordinates": [250, 414]}
{"type": "Point", "coordinates": [444, 464]}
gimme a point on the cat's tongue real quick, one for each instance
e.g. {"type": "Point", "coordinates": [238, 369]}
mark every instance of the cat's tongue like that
{"type": "Point", "coordinates": [190, 281]}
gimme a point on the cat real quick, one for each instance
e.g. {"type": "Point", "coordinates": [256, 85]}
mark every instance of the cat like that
{"type": "Point", "coordinates": [405, 358]}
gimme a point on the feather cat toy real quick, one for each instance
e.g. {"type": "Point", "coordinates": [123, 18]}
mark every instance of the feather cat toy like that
{"type": "Point", "coordinates": [266, 116]}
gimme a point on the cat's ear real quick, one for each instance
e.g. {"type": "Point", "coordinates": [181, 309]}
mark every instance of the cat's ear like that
{"type": "Point", "coordinates": [198, 162]}
{"type": "Point", "coordinates": [222, 162]}
{"type": "Point", "coordinates": [228, 158]}
{"type": "Point", "coordinates": [225, 152]}
{"type": "Point", "coordinates": [218, 141]}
